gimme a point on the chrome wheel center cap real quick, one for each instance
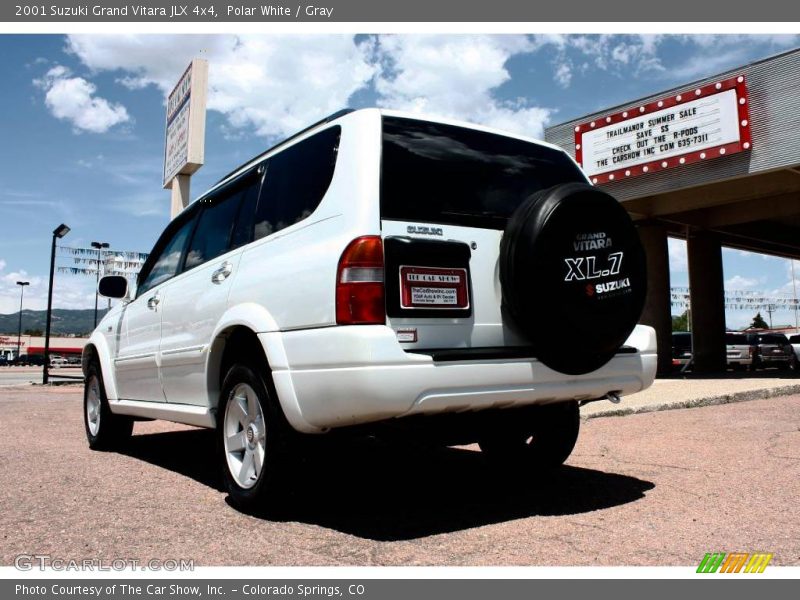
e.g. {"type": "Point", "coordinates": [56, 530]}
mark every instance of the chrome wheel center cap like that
{"type": "Point", "coordinates": [252, 434]}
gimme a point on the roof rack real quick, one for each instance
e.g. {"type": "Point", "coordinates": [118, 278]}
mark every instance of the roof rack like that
{"type": "Point", "coordinates": [328, 119]}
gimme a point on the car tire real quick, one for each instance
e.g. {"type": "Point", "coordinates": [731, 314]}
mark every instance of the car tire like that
{"type": "Point", "coordinates": [104, 429]}
{"type": "Point", "coordinates": [572, 253]}
{"type": "Point", "coordinates": [255, 442]}
{"type": "Point", "coordinates": [541, 440]}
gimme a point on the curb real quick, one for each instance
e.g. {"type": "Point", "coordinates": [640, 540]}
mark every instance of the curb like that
{"type": "Point", "coordinates": [746, 396]}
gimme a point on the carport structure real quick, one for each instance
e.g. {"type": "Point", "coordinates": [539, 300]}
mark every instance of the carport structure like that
{"type": "Point", "coordinates": [747, 198]}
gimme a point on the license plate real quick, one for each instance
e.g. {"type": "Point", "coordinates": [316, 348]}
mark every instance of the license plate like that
{"type": "Point", "coordinates": [430, 287]}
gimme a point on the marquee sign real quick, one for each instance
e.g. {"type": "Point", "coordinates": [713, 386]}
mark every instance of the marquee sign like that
{"type": "Point", "coordinates": [692, 126]}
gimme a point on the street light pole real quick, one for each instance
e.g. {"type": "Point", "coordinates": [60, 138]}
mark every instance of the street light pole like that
{"type": "Point", "coordinates": [21, 285]}
{"type": "Point", "coordinates": [58, 233]}
{"type": "Point", "coordinates": [99, 246]}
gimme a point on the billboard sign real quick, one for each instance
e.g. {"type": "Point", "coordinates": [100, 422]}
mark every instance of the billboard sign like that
{"type": "Point", "coordinates": [185, 123]}
{"type": "Point", "coordinates": [700, 124]}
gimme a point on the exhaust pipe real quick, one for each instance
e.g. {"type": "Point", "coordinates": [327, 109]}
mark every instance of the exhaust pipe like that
{"type": "Point", "coordinates": [612, 397]}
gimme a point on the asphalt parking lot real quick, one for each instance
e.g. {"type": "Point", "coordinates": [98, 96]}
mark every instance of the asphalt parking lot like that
{"type": "Point", "coordinates": [657, 488]}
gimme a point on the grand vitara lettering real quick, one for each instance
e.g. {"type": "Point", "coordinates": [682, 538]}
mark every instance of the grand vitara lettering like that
{"type": "Point", "coordinates": [708, 122]}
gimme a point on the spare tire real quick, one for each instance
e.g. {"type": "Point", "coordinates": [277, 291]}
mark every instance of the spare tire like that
{"type": "Point", "coordinates": [573, 276]}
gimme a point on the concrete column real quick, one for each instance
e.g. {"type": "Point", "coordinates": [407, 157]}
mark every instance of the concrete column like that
{"type": "Point", "coordinates": [707, 302]}
{"type": "Point", "coordinates": [657, 307]}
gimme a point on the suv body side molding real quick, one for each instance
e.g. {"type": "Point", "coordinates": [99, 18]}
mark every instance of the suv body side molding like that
{"type": "Point", "coordinates": [190, 414]}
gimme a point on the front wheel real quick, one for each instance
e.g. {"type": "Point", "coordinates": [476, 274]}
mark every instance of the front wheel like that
{"type": "Point", "coordinates": [543, 439]}
{"type": "Point", "coordinates": [104, 429]}
{"type": "Point", "coordinates": [254, 440]}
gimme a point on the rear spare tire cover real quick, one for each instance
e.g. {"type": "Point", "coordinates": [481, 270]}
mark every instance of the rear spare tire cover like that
{"type": "Point", "coordinates": [573, 276]}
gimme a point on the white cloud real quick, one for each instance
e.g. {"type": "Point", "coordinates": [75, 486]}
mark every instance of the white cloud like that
{"type": "Point", "coordinates": [68, 292]}
{"type": "Point", "coordinates": [273, 85]}
{"type": "Point", "coordinates": [737, 282]}
{"type": "Point", "coordinates": [2, 264]}
{"type": "Point", "coordinates": [678, 259]}
{"type": "Point", "coordinates": [618, 54]}
{"type": "Point", "coordinates": [73, 99]}
{"type": "Point", "coordinates": [563, 74]}
{"type": "Point", "coordinates": [455, 76]}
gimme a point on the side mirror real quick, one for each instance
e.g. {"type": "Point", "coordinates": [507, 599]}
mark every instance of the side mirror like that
{"type": "Point", "coordinates": [113, 286]}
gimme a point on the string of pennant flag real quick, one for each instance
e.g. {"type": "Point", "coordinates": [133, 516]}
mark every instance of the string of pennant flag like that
{"type": "Point", "coordinates": [739, 300]}
{"type": "Point", "coordinates": [133, 256]}
{"type": "Point", "coordinates": [85, 261]}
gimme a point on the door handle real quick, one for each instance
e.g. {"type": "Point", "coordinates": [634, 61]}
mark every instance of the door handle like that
{"type": "Point", "coordinates": [152, 302]}
{"type": "Point", "coordinates": [222, 273]}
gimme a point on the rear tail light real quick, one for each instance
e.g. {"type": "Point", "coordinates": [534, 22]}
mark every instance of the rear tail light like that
{"type": "Point", "coordinates": [360, 298]}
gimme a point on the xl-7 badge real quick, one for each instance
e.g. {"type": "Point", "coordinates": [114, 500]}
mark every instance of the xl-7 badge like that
{"type": "Point", "coordinates": [584, 267]}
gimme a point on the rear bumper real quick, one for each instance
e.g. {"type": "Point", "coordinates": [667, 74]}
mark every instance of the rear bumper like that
{"type": "Point", "coordinates": [341, 376]}
{"type": "Point", "coordinates": [768, 359]}
{"type": "Point", "coordinates": [737, 360]}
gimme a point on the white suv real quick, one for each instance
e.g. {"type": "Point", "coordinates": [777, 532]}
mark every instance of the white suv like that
{"type": "Point", "coordinates": [378, 268]}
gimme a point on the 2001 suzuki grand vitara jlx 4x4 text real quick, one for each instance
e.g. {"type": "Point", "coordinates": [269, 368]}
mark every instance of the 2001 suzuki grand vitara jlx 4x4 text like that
{"type": "Point", "coordinates": [379, 267]}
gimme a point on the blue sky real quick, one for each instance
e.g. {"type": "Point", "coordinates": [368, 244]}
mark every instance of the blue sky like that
{"type": "Point", "coordinates": [82, 119]}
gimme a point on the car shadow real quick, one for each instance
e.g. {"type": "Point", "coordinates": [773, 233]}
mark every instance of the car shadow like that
{"type": "Point", "coordinates": [390, 491]}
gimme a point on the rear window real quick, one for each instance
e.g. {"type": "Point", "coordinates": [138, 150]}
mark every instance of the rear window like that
{"type": "Point", "coordinates": [296, 181]}
{"type": "Point", "coordinates": [682, 340]}
{"type": "Point", "coordinates": [437, 173]}
{"type": "Point", "coordinates": [732, 339]}
{"type": "Point", "coordinates": [795, 339]}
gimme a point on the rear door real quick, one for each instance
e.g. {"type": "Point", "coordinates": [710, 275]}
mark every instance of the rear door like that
{"type": "Point", "coordinates": [198, 297]}
{"type": "Point", "coordinates": [446, 195]}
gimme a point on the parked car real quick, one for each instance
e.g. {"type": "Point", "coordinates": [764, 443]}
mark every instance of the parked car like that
{"type": "Point", "coordinates": [739, 350]}
{"type": "Point", "coordinates": [681, 348]}
{"type": "Point", "coordinates": [73, 360]}
{"type": "Point", "coordinates": [58, 361]}
{"type": "Point", "coordinates": [4, 361]}
{"type": "Point", "coordinates": [772, 350]}
{"type": "Point", "coordinates": [379, 267]}
{"type": "Point", "coordinates": [29, 360]}
{"type": "Point", "coordinates": [794, 340]}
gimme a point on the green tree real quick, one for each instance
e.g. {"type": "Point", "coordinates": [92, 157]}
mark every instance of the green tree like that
{"type": "Point", "coordinates": [33, 332]}
{"type": "Point", "coordinates": [759, 322]}
{"type": "Point", "coordinates": [681, 323]}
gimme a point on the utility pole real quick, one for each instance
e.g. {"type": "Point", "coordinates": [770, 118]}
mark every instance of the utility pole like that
{"type": "Point", "coordinates": [770, 309]}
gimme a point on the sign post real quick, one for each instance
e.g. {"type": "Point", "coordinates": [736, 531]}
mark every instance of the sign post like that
{"type": "Point", "coordinates": [184, 138]}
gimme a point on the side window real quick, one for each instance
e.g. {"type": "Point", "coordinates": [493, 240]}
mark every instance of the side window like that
{"type": "Point", "coordinates": [243, 229]}
{"type": "Point", "coordinates": [217, 221]}
{"type": "Point", "coordinates": [296, 181]}
{"type": "Point", "coordinates": [168, 260]}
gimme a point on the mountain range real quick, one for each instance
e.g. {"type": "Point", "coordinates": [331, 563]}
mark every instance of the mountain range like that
{"type": "Point", "coordinates": [65, 321]}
